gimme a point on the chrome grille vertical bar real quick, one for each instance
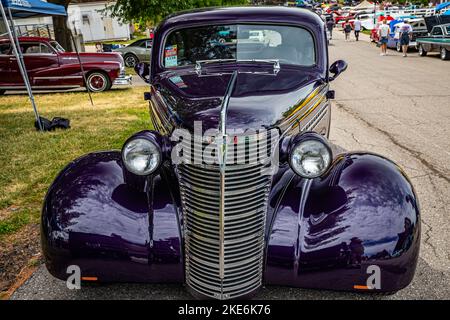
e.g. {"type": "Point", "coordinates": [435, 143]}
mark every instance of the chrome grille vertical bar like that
{"type": "Point", "coordinates": [222, 165]}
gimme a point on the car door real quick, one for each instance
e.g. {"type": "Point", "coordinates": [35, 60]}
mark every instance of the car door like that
{"type": "Point", "coordinates": [41, 62]}
{"type": "Point", "coordinates": [392, 38]}
{"type": "Point", "coordinates": [436, 34]}
{"type": "Point", "coordinates": [143, 50]}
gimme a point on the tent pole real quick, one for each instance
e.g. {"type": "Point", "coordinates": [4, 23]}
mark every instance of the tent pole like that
{"type": "Point", "coordinates": [81, 66]}
{"type": "Point", "coordinates": [20, 63]}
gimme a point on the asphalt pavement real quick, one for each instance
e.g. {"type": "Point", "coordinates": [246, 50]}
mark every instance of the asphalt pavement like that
{"type": "Point", "coordinates": [398, 107]}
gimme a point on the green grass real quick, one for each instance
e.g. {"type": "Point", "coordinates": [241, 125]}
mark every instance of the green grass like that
{"type": "Point", "coordinates": [129, 70]}
{"type": "Point", "coordinates": [30, 160]}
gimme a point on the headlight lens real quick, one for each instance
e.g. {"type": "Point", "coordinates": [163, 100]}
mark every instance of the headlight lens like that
{"type": "Point", "coordinates": [310, 158]}
{"type": "Point", "coordinates": [141, 156]}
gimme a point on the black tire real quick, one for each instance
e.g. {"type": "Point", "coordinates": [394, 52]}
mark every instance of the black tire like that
{"type": "Point", "coordinates": [445, 54]}
{"type": "Point", "coordinates": [98, 81]}
{"type": "Point", "coordinates": [130, 60]}
{"type": "Point", "coordinates": [422, 51]}
{"type": "Point", "coordinates": [2, 92]}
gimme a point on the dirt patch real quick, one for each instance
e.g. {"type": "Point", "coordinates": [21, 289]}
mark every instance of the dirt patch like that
{"type": "Point", "coordinates": [5, 213]}
{"type": "Point", "coordinates": [19, 253]}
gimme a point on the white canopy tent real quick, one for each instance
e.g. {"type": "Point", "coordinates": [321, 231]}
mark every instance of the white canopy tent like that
{"type": "Point", "coordinates": [364, 5]}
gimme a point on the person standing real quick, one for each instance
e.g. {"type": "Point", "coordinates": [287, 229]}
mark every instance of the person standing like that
{"type": "Point", "coordinates": [357, 28]}
{"type": "Point", "coordinates": [405, 36]}
{"type": "Point", "coordinates": [347, 30]}
{"type": "Point", "coordinates": [330, 26]}
{"type": "Point", "coordinates": [383, 32]}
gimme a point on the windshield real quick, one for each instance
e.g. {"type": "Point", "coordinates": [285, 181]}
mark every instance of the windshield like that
{"type": "Point", "coordinates": [290, 45]}
{"type": "Point", "coordinates": [57, 46]}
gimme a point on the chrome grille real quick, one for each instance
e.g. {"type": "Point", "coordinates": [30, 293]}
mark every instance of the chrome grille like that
{"type": "Point", "coordinates": [245, 191]}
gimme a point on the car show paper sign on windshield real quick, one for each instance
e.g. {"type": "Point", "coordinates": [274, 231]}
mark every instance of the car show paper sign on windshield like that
{"type": "Point", "coordinates": [170, 56]}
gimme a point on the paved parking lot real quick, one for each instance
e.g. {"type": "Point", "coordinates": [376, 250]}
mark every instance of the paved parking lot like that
{"type": "Point", "coordinates": [395, 106]}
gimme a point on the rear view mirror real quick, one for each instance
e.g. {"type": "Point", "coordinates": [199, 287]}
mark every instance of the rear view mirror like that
{"type": "Point", "coordinates": [143, 70]}
{"type": "Point", "coordinates": [337, 68]}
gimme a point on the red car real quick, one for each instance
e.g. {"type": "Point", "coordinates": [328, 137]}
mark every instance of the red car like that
{"type": "Point", "coordinates": [50, 67]}
{"type": "Point", "coordinates": [343, 18]}
{"type": "Point", "coordinates": [374, 36]}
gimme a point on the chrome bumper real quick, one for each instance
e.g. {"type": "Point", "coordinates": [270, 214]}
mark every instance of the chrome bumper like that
{"type": "Point", "coordinates": [123, 80]}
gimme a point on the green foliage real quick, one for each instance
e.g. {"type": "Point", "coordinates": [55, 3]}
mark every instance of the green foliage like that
{"type": "Point", "coordinates": [153, 11]}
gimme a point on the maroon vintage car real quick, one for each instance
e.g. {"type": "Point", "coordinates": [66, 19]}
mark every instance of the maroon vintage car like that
{"type": "Point", "coordinates": [50, 67]}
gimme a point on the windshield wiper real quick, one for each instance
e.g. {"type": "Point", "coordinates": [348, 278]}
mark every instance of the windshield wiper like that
{"type": "Point", "coordinates": [274, 62]}
{"type": "Point", "coordinates": [200, 63]}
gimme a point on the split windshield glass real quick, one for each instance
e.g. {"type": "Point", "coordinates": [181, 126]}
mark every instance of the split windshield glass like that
{"type": "Point", "coordinates": [289, 45]}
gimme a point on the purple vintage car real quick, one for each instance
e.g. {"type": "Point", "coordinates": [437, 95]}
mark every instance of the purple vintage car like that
{"type": "Point", "coordinates": [237, 187]}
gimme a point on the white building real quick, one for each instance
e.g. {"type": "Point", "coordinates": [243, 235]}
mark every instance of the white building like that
{"type": "Point", "coordinates": [88, 20]}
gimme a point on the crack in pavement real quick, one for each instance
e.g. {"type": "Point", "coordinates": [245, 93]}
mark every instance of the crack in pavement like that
{"type": "Point", "coordinates": [427, 239]}
{"type": "Point", "coordinates": [414, 153]}
{"type": "Point", "coordinates": [398, 96]}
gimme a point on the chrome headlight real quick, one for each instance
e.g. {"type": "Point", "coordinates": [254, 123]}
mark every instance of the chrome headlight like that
{"type": "Point", "coordinates": [141, 156]}
{"type": "Point", "coordinates": [310, 156]}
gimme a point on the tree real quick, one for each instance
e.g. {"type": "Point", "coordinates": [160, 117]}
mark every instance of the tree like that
{"type": "Point", "coordinates": [62, 32]}
{"type": "Point", "coordinates": [153, 11]}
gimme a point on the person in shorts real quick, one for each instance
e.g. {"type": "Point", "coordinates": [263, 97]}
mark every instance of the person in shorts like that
{"type": "Point", "coordinates": [405, 37]}
{"type": "Point", "coordinates": [383, 33]}
{"type": "Point", "coordinates": [347, 30]}
{"type": "Point", "coordinates": [330, 26]}
{"type": "Point", "coordinates": [357, 28]}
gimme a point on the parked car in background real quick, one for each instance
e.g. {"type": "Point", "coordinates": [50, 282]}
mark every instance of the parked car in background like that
{"type": "Point", "coordinates": [256, 36]}
{"type": "Point", "coordinates": [236, 187]}
{"type": "Point", "coordinates": [418, 26]}
{"type": "Point", "coordinates": [343, 17]}
{"type": "Point", "coordinates": [437, 41]}
{"type": "Point", "coordinates": [49, 66]}
{"type": "Point", "coordinates": [138, 51]}
{"type": "Point", "coordinates": [419, 29]}
{"type": "Point", "coordinates": [374, 35]}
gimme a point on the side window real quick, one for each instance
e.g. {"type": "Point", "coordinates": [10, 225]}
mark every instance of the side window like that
{"type": "Point", "coordinates": [45, 48]}
{"type": "Point", "coordinates": [437, 31]}
{"type": "Point", "coordinates": [146, 44]}
{"type": "Point", "coordinates": [35, 48]}
{"type": "Point", "coordinates": [31, 48]}
{"type": "Point", "coordinates": [4, 48]}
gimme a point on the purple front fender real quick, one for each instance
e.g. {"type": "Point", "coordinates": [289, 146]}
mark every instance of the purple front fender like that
{"type": "Point", "coordinates": [92, 219]}
{"type": "Point", "coordinates": [325, 233]}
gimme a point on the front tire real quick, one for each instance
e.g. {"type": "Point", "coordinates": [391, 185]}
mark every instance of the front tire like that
{"type": "Point", "coordinates": [422, 51]}
{"type": "Point", "coordinates": [130, 60]}
{"type": "Point", "coordinates": [445, 54]}
{"type": "Point", "coordinates": [2, 92]}
{"type": "Point", "coordinates": [98, 81]}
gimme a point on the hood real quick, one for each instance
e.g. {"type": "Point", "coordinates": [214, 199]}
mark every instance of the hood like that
{"type": "Point", "coordinates": [93, 57]}
{"type": "Point", "coordinates": [257, 101]}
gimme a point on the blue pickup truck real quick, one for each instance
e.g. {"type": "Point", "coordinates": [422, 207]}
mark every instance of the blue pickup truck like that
{"type": "Point", "coordinates": [438, 40]}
